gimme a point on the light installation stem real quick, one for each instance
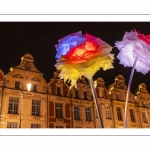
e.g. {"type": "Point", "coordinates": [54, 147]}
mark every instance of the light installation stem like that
{"type": "Point", "coordinates": [96, 102]}
{"type": "Point", "coordinates": [128, 92]}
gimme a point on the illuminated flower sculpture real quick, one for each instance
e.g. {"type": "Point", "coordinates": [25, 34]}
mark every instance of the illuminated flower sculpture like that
{"type": "Point", "coordinates": [134, 52]}
{"type": "Point", "coordinates": [79, 55]}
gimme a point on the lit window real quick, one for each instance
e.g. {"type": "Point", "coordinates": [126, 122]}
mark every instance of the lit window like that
{"type": "Point", "coordinates": [85, 95]}
{"type": "Point", "coordinates": [76, 94]}
{"type": "Point", "coordinates": [132, 115]}
{"type": "Point", "coordinates": [107, 112]}
{"type": "Point", "coordinates": [144, 117]}
{"type": "Point", "coordinates": [119, 113]}
{"type": "Point", "coordinates": [13, 105]}
{"type": "Point", "coordinates": [12, 124]}
{"type": "Point", "coordinates": [36, 107]}
{"type": "Point", "coordinates": [35, 125]}
{"type": "Point", "coordinates": [58, 110]}
{"type": "Point", "coordinates": [117, 96]}
{"type": "Point", "coordinates": [34, 88]}
{"type": "Point", "coordinates": [58, 91]}
{"type": "Point", "coordinates": [76, 113]}
{"type": "Point", "coordinates": [17, 85]}
{"type": "Point", "coordinates": [88, 113]}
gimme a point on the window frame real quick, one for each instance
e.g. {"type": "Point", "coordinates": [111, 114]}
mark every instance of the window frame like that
{"type": "Point", "coordinates": [85, 96]}
{"type": "Point", "coordinates": [58, 110]}
{"type": "Point", "coordinates": [17, 86]}
{"type": "Point", "coordinates": [12, 124]}
{"type": "Point", "coordinates": [107, 111]}
{"type": "Point", "coordinates": [132, 116]}
{"type": "Point", "coordinates": [14, 105]}
{"type": "Point", "coordinates": [33, 125]}
{"type": "Point", "coordinates": [33, 88]}
{"type": "Point", "coordinates": [119, 114]}
{"type": "Point", "coordinates": [144, 117]}
{"type": "Point", "coordinates": [76, 112]}
{"type": "Point", "coordinates": [88, 113]}
{"type": "Point", "coordinates": [36, 108]}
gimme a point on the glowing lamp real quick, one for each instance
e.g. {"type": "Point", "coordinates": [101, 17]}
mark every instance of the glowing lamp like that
{"type": "Point", "coordinates": [29, 86]}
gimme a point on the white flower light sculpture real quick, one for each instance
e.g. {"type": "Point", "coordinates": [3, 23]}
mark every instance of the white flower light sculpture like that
{"type": "Point", "coordinates": [134, 52]}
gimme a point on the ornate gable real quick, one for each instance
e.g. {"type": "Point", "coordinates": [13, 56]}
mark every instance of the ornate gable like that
{"type": "Point", "coordinates": [120, 82]}
{"type": "Point", "coordinates": [26, 64]}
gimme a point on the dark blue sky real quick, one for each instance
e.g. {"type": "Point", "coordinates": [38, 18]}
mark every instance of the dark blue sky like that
{"type": "Point", "coordinates": [39, 39]}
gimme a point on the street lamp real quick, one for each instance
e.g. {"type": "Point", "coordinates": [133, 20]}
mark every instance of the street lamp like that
{"type": "Point", "coordinates": [28, 88]}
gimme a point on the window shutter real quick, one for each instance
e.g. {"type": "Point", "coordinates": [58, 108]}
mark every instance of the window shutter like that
{"type": "Point", "coordinates": [51, 109]}
{"type": "Point", "coordinates": [67, 111]}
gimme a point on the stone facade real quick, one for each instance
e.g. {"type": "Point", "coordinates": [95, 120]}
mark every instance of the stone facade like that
{"type": "Point", "coordinates": [55, 105]}
{"type": "Point", "coordinates": [21, 108]}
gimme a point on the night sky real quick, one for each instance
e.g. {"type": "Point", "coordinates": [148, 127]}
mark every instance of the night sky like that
{"type": "Point", "coordinates": [39, 39]}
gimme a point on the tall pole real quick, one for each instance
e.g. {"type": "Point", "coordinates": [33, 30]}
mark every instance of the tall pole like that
{"type": "Point", "coordinates": [128, 92]}
{"type": "Point", "coordinates": [21, 106]}
{"type": "Point", "coordinates": [47, 105]}
{"type": "Point", "coordinates": [96, 102]}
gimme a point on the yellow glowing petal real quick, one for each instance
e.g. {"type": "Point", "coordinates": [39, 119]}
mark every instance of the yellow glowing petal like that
{"type": "Point", "coordinates": [74, 71]}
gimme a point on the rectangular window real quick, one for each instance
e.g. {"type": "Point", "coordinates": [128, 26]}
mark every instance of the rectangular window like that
{"type": "Point", "coordinates": [13, 105]}
{"type": "Point", "coordinates": [108, 116]}
{"type": "Point", "coordinates": [132, 115]}
{"type": "Point", "coordinates": [59, 127]}
{"type": "Point", "coordinates": [88, 113]}
{"type": "Point", "coordinates": [76, 113]}
{"type": "Point", "coordinates": [76, 94]}
{"type": "Point", "coordinates": [12, 124]}
{"type": "Point", "coordinates": [34, 87]}
{"type": "Point", "coordinates": [58, 91]}
{"type": "Point", "coordinates": [36, 107]}
{"type": "Point", "coordinates": [117, 96]}
{"type": "Point", "coordinates": [17, 85]}
{"type": "Point", "coordinates": [58, 110]}
{"type": "Point", "coordinates": [119, 113]}
{"type": "Point", "coordinates": [85, 95]}
{"type": "Point", "coordinates": [35, 125]}
{"type": "Point", "coordinates": [144, 117]}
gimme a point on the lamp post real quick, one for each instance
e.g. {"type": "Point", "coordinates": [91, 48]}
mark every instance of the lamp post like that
{"type": "Point", "coordinates": [28, 88]}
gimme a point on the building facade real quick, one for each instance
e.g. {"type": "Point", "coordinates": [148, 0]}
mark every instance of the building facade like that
{"type": "Point", "coordinates": [55, 105]}
{"type": "Point", "coordinates": [19, 107]}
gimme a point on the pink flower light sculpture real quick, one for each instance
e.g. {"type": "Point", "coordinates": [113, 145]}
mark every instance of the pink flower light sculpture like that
{"type": "Point", "coordinates": [82, 55]}
{"type": "Point", "coordinates": [134, 52]}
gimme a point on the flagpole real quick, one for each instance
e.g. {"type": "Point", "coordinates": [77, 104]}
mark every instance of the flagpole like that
{"type": "Point", "coordinates": [96, 102]}
{"type": "Point", "coordinates": [128, 92]}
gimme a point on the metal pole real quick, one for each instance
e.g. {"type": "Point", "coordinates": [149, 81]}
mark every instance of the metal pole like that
{"type": "Point", "coordinates": [128, 92]}
{"type": "Point", "coordinates": [47, 106]}
{"type": "Point", "coordinates": [96, 102]}
{"type": "Point", "coordinates": [20, 109]}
